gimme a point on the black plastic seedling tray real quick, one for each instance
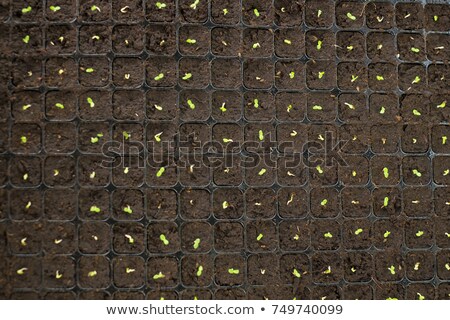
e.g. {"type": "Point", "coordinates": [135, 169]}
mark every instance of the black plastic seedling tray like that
{"type": "Point", "coordinates": [85, 83]}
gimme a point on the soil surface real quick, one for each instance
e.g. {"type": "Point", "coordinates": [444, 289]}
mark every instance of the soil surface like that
{"type": "Point", "coordinates": [224, 149]}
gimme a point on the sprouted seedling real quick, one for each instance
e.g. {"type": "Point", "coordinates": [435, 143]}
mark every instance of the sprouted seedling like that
{"type": "Point", "coordinates": [92, 175]}
{"type": "Point", "coordinates": [159, 275]}
{"type": "Point", "coordinates": [95, 37]}
{"type": "Point", "coordinates": [416, 80]}
{"type": "Point", "coordinates": [289, 108]}
{"type": "Point", "coordinates": [416, 266]}
{"type": "Point", "coordinates": [164, 240]}
{"type": "Point", "coordinates": [196, 243]}
{"type": "Point", "coordinates": [386, 172]}
{"type": "Point", "coordinates": [226, 140]}
{"type": "Point", "coordinates": [59, 105]}
{"type": "Point", "coordinates": [27, 9]}
{"type": "Point", "coordinates": [349, 48]}
{"type": "Point", "coordinates": [90, 102]}
{"type": "Point", "coordinates": [317, 107]}
{"type": "Point", "coordinates": [129, 270]}
{"type": "Point", "coordinates": [95, 8]}
{"type": "Point", "coordinates": [58, 275]}
{"type": "Point", "coordinates": [28, 206]}
{"type": "Point", "coordinates": [391, 270]}
{"type": "Point", "coordinates": [417, 173]}
{"type": "Point", "coordinates": [23, 242]}
{"type": "Point", "coordinates": [358, 231]}
{"type": "Point", "coordinates": [199, 271]}
{"type": "Point", "coordinates": [419, 233]}
{"type": "Point", "coordinates": [327, 271]}
{"type": "Point", "coordinates": [324, 202]}
{"type": "Point", "coordinates": [444, 139]}
{"type": "Point", "coordinates": [328, 235]}
{"type": "Point", "coordinates": [92, 273]}
{"type": "Point", "coordinates": [126, 135]}
{"type": "Point", "coordinates": [380, 78]}
{"type": "Point", "coordinates": [262, 172]}
{"type": "Point", "coordinates": [415, 50]}
{"type": "Point", "coordinates": [386, 234]}
{"type": "Point", "coordinates": [21, 271]}
{"type": "Point", "coordinates": [319, 44]}
{"type": "Point", "coordinates": [128, 209]}
{"type": "Point", "coordinates": [382, 110]}
{"type": "Point", "coordinates": [256, 12]}
{"type": "Point", "coordinates": [187, 76]}
{"type": "Point", "coordinates": [159, 77]}
{"type": "Point", "coordinates": [191, 41]}
{"type": "Point", "coordinates": [287, 41]}
{"type": "Point", "coordinates": [256, 45]}
{"type": "Point", "coordinates": [160, 5]}
{"type": "Point", "coordinates": [26, 107]}
{"type": "Point", "coordinates": [222, 107]}
{"type": "Point", "coordinates": [160, 172]}
{"type": "Point", "coordinates": [55, 172]}
{"type": "Point", "coordinates": [435, 18]}
{"type": "Point", "coordinates": [191, 104]}
{"type": "Point", "coordinates": [421, 297]}
{"type": "Point", "coordinates": [446, 172]}
{"type": "Point", "coordinates": [292, 75]}
{"type": "Point", "coordinates": [25, 176]}
{"type": "Point", "coordinates": [225, 11]}
{"type": "Point", "coordinates": [350, 106]}
{"type": "Point", "coordinates": [385, 202]}
{"type": "Point", "coordinates": [293, 133]}
{"type": "Point", "coordinates": [296, 273]}
{"type": "Point", "coordinates": [96, 138]}
{"type": "Point", "coordinates": [130, 239]}
{"type": "Point", "coordinates": [447, 266]}
{"type": "Point", "coordinates": [261, 135]}
{"type": "Point", "coordinates": [319, 169]}
{"type": "Point", "coordinates": [225, 205]}
{"type": "Point", "coordinates": [256, 103]}
{"type": "Point", "coordinates": [233, 271]}
{"type": "Point", "coordinates": [23, 139]}
{"type": "Point", "coordinates": [354, 78]}
{"type": "Point", "coordinates": [194, 5]}
{"type": "Point", "coordinates": [351, 16]}
{"type": "Point", "coordinates": [158, 137]}
{"type": "Point", "coordinates": [321, 74]}
{"type": "Point", "coordinates": [26, 39]}
{"type": "Point", "coordinates": [90, 70]}
{"type": "Point", "coordinates": [416, 113]}
{"type": "Point", "coordinates": [259, 237]}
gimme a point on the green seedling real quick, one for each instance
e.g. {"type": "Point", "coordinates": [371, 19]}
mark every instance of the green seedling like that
{"type": "Point", "coordinates": [130, 239]}
{"type": "Point", "coordinates": [351, 16]}
{"type": "Point", "coordinates": [233, 271]}
{"type": "Point", "coordinates": [256, 12]}
{"type": "Point", "coordinates": [262, 172]}
{"type": "Point", "coordinates": [160, 172]}
{"type": "Point", "coordinates": [55, 172]}
{"type": "Point", "coordinates": [321, 74]}
{"type": "Point", "coordinates": [316, 107]}
{"type": "Point", "coordinates": [23, 242]}
{"type": "Point", "coordinates": [90, 70]}
{"type": "Point", "coordinates": [58, 275]}
{"type": "Point", "coordinates": [416, 113]}
{"type": "Point", "coordinates": [23, 139]}
{"type": "Point", "coordinates": [353, 173]}
{"type": "Point", "coordinates": [328, 271]}
{"type": "Point", "coordinates": [129, 270]}
{"type": "Point", "coordinates": [225, 11]}
{"type": "Point", "coordinates": [289, 108]}
{"type": "Point", "coordinates": [319, 13]}
{"type": "Point", "coordinates": [416, 266]}
{"type": "Point", "coordinates": [199, 271]}
{"type": "Point", "coordinates": [128, 209]}
{"type": "Point", "coordinates": [447, 266]}
{"type": "Point", "coordinates": [191, 104]}
{"type": "Point", "coordinates": [415, 50]}
{"type": "Point", "coordinates": [259, 237]}
{"type": "Point", "coordinates": [293, 133]}
{"type": "Point", "coordinates": [349, 48]}
{"type": "Point", "coordinates": [92, 175]}
{"type": "Point", "coordinates": [222, 108]}
{"type": "Point", "coordinates": [447, 234]}
{"type": "Point", "coordinates": [390, 298]}
{"type": "Point", "coordinates": [96, 138]}
{"type": "Point", "coordinates": [380, 78]}
{"type": "Point", "coordinates": [324, 202]}
{"type": "Point", "coordinates": [256, 103]}
{"type": "Point", "coordinates": [261, 135]}
{"type": "Point", "coordinates": [21, 271]}
{"type": "Point", "coordinates": [419, 233]}
{"type": "Point", "coordinates": [225, 140]}
{"type": "Point", "coordinates": [382, 110]}
{"type": "Point", "coordinates": [55, 8]}
{"type": "Point", "coordinates": [417, 173]}
{"type": "Point", "coordinates": [126, 135]}
{"type": "Point", "coordinates": [191, 41]}
{"type": "Point", "coordinates": [416, 80]}
{"type": "Point", "coordinates": [319, 44]}
{"type": "Point", "coordinates": [225, 205]}
{"type": "Point", "coordinates": [159, 77]}
{"type": "Point", "coordinates": [95, 38]}
{"type": "Point", "coordinates": [160, 5]}
{"type": "Point", "coordinates": [386, 234]}
{"type": "Point", "coordinates": [421, 297]}
{"type": "Point", "coordinates": [196, 243]}
{"type": "Point", "coordinates": [95, 209]}
{"type": "Point", "coordinates": [385, 202]}
{"type": "Point", "coordinates": [287, 41]}
{"type": "Point", "coordinates": [27, 10]}
{"type": "Point", "coordinates": [358, 231]}
{"type": "Point", "coordinates": [25, 176]}
{"type": "Point", "coordinates": [59, 105]}
{"type": "Point", "coordinates": [296, 237]}
{"type": "Point", "coordinates": [446, 172]}
{"type": "Point", "coordinates": [126, 170]}
{"type": "Point", "coordinates": [435, 18]}
{"type": "Point", "coordinates": [292, 75]}
{"type": "Point", "coordinates": [328, 235]}
{"type": "Point", "coordinates": [92, 273]}
{"type": "Point", "coordinates": [354, 78]}
{"type": "Point", "coordinates": [26, 107]}
{"type": "Point", "coordinates": [95, 8]}
{"type": "Point", "coordinates": [187, 76]}
{"type": "Point", "coordinates": [159, 275]}
{"type": "Point", "coordinates": [194, 5]}
{"type": "Point", "coordinates": [296, 273]}
{"type": "Point", "coordinates": [319, 169]}
{"type": "Point", "coordinates": [386, 172]}
{"type": "Point", "coordinates": [90, 102]}
{"type": "Point", "coordinates": [391, 270]}
{"type": "Point", "coordinates": [444, 139]}
{"type": "Point", "coordinates": [157, 137]}
{"type": "Point", "coordinates": [256, 45]}
{"type": "Point", "coordinates": [26, 39]}
{"type": "Point", "coordinates": [164, 240]}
